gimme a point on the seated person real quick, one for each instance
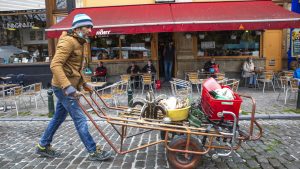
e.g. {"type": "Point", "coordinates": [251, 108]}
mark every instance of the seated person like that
{"type": "Point", "coordinates": [211, 66]}
{"type": "Point", "coordinates": [248, 72]}
{"type": "Point", "coordinates": [133, 68]}
{"type": "Point", "coordinates": [100, 73]}
{"type": "Point", "coordinates": [149, 68]}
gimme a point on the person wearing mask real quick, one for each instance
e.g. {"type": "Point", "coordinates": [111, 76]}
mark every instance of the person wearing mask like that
{"type": "Point", "coordinates": [210, 65]}
{"type": "Point", "coordinates": [66, 67]}
{"type": "Point", "coordinates": [248, 72]}
{"type": "Point", "coordinates": [168, 55]}
{"type": "Point", "coordinates": [149, 68]}
{"type": "Point", "coordinates": [133, 68]}
{"type": "Point", "coordinates": [100, 72]}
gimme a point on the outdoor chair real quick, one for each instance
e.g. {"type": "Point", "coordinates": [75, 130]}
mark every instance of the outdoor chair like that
{"type": "Point", "coordinates": [204, 75]}
{"type": "Point", "coordinates": [284, 84]}
{"type": "Point", "coordinates": [267, 78]}
{"type": "Point", "coordinates": [126, 78]}
{"type": "Point", "coordinates": [180, 87]}
{"type": "Point", "coordinates": [35, 91]}
{"type": "Point", "coordinates": [194, 80]}
{"type": "Point", "coordinates": [233, 84]}
{"type": "Point", "coordinates": [121, 88]}
{"type": "Point", "coordinates": [288, 73]}
{"type": "Point", "coordinates": [87, 78]}
{"type": "Point", "coordinates": [112, 92]}
{"type": "Point", "coordinates": [276, 79]}
{"type": "Point", "coordinates": [293, 89]}
{"type": "Point", "coordinates": [13, 95]}
{"type": "Point", "coordinates": [147, 81]}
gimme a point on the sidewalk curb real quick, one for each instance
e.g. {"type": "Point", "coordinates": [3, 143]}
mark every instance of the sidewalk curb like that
{"type": "Point", "coordinates": [272, 116]}
{"type": "Point", "coordinates": [243, 117]}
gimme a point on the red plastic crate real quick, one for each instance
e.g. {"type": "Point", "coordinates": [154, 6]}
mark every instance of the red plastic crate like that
{"type": "Point", "coordinates": [211, 106]}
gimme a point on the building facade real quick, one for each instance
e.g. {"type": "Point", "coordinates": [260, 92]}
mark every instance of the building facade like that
{"type": "Point", "coordinates": [193, 46]}
{"type": "Point", "coordinates": [23, 41]}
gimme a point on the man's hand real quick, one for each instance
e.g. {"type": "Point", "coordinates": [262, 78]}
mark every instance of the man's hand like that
{"type": "Point", "coordinates": [70, 91]}
{"type": "Point", "coordinates": [87, 87]}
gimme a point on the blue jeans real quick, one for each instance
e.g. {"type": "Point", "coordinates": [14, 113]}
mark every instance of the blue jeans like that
{"type": "Point", "coordinates": [64, 105]}
{"type": "Point", "coordinates": [252, 80]}
{"type": "Point", "coordinates": [168, 69]}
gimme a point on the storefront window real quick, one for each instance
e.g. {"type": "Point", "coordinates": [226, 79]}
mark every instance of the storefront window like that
{"type": "Point", "coordinates": [136, 46]}
{"type": "Point", "coordinates": [121, 47]}
{"type": "Point", "coordinates": [61, 4]}
{"type": "Point", "coordinates": [22, 38]}
{"type": "Point", "coordinates": [103, 48]}
{"type": "Point", "coordinates": [229, 43]}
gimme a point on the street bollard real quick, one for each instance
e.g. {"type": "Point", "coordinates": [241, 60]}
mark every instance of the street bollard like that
{"type": "Point", "coordinates": [50, 103]}
{"type": "Point", "coordinates": [130, 96]}
{"type": "Point", "coordinates": [298, 98]}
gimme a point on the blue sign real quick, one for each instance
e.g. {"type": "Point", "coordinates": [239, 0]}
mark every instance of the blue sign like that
{"type": "Point", "coordinates": [294, 49]}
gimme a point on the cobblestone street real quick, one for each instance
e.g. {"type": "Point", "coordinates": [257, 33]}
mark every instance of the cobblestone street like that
{"type": "Point", "coordinates": [266, 103]}
{"type": "Point", "coordinates": [279, 148]}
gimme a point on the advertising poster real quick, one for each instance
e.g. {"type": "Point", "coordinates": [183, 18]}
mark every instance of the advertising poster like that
{"type": "Point", "coordinates": [296, 43]}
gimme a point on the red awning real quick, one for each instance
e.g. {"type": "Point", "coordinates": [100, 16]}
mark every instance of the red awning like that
{"type": "Point", "coordinates": [178, 17]}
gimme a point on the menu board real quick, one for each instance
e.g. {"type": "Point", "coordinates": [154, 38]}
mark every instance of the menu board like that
{"type": "Point", "coordinates": [208, 45]}
{"type": "Point", "coordinates": [296, 43]}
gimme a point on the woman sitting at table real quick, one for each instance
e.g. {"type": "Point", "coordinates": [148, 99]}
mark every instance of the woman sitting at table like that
{"type": "Point", "coordinates": [248, 72]}
{"type": "Point", "coordinates": [133, 68]}
{"type": "Point", "coordinates": [149, 68]}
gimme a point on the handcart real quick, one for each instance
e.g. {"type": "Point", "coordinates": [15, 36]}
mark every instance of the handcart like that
{"type": "Point", "coordinates": [185, 143]}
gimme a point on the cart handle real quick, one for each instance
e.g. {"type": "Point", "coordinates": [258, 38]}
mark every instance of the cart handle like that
{"type": "Point", "coordinates": [233, 135]}
{"type": "Point", "coordinates": [253, 120]}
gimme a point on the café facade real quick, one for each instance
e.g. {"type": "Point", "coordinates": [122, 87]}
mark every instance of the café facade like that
{"type": "Point", "coordinates": [229, 31]}
{"type": "Point", "coordinates": [23, 42]}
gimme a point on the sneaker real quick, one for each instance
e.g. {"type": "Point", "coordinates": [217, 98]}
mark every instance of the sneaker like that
{"type": "Point", "coordinates": [46, 151]}
{"type": "Point", "coordinates": [99, 155]}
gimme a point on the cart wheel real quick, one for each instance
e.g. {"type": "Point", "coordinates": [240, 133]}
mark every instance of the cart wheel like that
{"type": "Point", "coordinates": [180, 160]}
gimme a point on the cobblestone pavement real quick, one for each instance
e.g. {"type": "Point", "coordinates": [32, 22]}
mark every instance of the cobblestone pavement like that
{"type": "Point", "coordinates": [266, 103]}
{"type": "Point", "coordinates": [278, 148]}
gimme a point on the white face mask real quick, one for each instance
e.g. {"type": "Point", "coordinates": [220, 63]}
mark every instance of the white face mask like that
{"type": "Point", "coordinates": [80, 34]}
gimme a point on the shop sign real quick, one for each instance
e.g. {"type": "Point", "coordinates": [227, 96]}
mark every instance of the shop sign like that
{"type": "Point", "coordinates": [15, 25]}
{"type": "Point", "coordinates": [296, 43]}
{"type": "Point", "coordinates": [102, 32]}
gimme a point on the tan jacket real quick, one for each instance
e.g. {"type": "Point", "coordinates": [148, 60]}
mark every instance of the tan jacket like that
{"type": "Point", "coordinates": [67, 62]}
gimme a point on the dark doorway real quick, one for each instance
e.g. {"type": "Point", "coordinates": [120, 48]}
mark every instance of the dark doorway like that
{"type": "Point", "coordinates": [163, 40]}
